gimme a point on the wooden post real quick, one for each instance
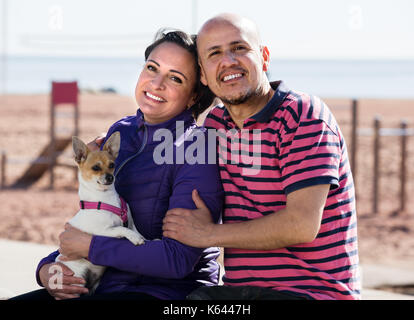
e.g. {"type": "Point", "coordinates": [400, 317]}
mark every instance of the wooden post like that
{"type": "Point", "coordinates": [376, 150]}
{"type": "Point", "coordinates": [52, 153]}
{"type": "Point", "coordinates": [62, 92]}
{"type": "Point", "coordinates": [76, 133]}
{"type": "Point", "coordinates": [354, 139]}
{"type": "Point", "coordinates": [403, 168]}
{"type": "Point", "coordinates": [3, 169]}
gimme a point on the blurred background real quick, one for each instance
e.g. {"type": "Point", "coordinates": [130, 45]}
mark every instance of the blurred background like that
{"type": "Point", "coordinates": [341, 48]}
{"type": "Point", "coordinates": [357, 55]}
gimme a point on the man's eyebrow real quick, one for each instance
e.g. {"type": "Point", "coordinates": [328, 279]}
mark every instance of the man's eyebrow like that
{"type": "Point", "coordinates": [172, 70]}
{"type": "Point", "coordinates": [236, 42]}
{"type": "Point", "coordinates": [213, 48]}
{"type": "Point", "coordinates": [231, 44]}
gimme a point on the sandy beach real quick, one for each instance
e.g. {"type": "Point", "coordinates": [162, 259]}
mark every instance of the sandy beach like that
{"type": "Point", "coordinates": [38, 214]}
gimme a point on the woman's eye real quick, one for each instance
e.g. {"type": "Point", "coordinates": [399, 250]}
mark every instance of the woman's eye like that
{"type": "Point", "coordinates": [96, 168]}
{"type": "Point", "coordinates": [176, 79]}
{"type": "Point", "coordinates": [151, 68]}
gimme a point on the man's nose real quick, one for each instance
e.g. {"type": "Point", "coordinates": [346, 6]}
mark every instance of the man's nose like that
{"type": "Point", "coordinates": [229, 58]}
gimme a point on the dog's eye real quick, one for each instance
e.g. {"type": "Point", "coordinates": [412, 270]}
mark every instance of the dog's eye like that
{"type": "Point", "coordinates": [111, 165]}
{"type": "Point", "coordinates": [96, 168]}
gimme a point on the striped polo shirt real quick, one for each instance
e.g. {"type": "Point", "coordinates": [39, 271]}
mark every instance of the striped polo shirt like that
{"type": "Point", "coordinates": [292, 143]}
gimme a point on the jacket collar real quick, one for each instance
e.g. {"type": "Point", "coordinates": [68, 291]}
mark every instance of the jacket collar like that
{"type": "Point", "coordinates": [186, 117]}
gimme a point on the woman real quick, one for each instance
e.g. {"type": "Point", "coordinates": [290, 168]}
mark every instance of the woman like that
{"type": "Point", "coordinates": [168, 91]}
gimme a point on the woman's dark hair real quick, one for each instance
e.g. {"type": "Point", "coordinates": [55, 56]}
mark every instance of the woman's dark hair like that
{"type": "Point", "coordinates": [188, 42]}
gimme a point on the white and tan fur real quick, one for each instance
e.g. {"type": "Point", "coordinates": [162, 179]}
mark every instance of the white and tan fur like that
{"type": "Point", "coordinates": [96, 183]}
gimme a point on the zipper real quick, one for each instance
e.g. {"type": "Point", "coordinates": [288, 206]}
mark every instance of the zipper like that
{"type": "Point", "coordinates": [144, 142]}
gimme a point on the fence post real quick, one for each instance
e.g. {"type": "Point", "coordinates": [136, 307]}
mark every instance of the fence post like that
{"type": "Point", "coordinates": [52, 154]}
{"type": "Point", "coordinates": [354, 139]}
{"type": "Point", "coordinates": [403, 168]}
{"type": "Point", "coordinates": [3, 170]}
{"type": "Point", "coordinates": [377, 145]}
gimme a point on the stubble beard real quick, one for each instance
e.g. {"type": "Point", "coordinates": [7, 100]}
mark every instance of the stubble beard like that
{"type": "Point", "coordinates": [242, 98]}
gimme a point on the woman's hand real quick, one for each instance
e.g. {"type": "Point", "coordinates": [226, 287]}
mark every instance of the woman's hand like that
{"type": "Point", "coordinates": [59, 281]}
{"type": "Point", "coordinates": [74, 243]}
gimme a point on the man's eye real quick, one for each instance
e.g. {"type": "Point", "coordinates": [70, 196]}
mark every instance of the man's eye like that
{"type": "Point", "coordinates": [96, 168]}
{"type": "Point", "coordinates": [238, 48]}
{"type": "Point", "coordinates": [213, 53]}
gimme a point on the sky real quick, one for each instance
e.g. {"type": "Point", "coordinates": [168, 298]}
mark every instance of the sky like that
{"type": "Point", "coordinates": [294, 29]}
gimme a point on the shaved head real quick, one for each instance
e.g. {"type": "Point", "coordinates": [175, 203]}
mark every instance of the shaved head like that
{"type": "Point", "coordinates": [242, 23]}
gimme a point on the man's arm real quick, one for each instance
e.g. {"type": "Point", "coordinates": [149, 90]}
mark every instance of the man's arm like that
{"type": "Point", "coordinates": [298, 222]}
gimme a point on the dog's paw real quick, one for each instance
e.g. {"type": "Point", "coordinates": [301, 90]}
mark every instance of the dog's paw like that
{"type": "Point", "coordinates": [135, 238]}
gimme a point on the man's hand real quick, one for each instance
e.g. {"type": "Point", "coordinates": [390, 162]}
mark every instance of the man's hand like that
{"type": "Point", "coordinates": [191, 227]}
{"type": "Point", "coordinates": [74, 244]}
{"type": "Point", "coordinates": [95, 145]}
{"type": "Point", "coordinates": [59, 281]}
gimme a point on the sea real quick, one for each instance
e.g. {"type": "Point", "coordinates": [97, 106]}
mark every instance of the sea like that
{"type": "Point", "coordinates": [325, 78]}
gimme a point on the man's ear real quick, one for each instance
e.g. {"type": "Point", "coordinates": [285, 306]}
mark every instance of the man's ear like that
{"type": "Point", "coordinates": [203, 78]}
{"type": "Point", "coordinates": [192, 100]}
{"type": "Point", "coordinates": [266, 58]}
{"type": "Point", "coordinates": [80, 149]}
{"type": "Point", "coordinates": [113, 144]}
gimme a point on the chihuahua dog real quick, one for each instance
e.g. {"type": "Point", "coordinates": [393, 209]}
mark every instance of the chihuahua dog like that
{"type": "Point", "coordinates": [102, 212]}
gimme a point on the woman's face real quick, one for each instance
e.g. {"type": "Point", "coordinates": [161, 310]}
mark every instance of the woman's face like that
{"type": "Point", "coordinates": [165, 87]}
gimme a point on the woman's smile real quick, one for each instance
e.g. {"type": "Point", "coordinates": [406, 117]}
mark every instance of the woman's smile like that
{"type": "Point", "coordinates": [154, 97]}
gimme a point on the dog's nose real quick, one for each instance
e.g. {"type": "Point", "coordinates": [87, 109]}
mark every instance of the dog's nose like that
{"type": "Point", "coordinates": [109, 178]}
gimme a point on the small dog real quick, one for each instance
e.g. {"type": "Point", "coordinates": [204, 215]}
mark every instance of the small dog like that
{"type": "Point", "coordinates": [102, 211]}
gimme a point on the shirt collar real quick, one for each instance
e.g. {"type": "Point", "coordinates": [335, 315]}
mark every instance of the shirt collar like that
{"type": "Point", "coordinates": [264, 115]}
{"type": "Point", "coordinates": [281, 91]}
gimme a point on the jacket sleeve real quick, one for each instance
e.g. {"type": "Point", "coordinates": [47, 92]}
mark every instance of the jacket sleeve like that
{"type": "Point", "coordinates": [165, 258]}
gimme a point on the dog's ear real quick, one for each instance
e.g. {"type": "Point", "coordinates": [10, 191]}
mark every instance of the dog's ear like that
{"type": "Point", "coordinates": [113, 144]}
{"type": "Point", "coordinates": [80, 149]}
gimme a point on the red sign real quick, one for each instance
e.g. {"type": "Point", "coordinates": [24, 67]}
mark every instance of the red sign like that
{"type": "Point", "coordinates": [64, 92]}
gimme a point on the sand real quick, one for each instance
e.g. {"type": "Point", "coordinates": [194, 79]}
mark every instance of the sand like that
{"type": "Point", "coordinates": [38, 214]}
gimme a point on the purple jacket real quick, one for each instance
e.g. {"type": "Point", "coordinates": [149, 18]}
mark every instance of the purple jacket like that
{"type": "Point", "coordinates": [163, 268]}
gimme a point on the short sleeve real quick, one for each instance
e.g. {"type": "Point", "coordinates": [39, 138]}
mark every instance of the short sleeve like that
{"type": "Point", "coordinates": [309, 155]}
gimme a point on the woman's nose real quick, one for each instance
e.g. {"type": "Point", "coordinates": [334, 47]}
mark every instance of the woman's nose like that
{"type": "Point", "coordinates": [158, 82]}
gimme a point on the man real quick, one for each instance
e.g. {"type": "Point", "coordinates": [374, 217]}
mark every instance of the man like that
{"type": "Point", "coordinates": [289, 224]}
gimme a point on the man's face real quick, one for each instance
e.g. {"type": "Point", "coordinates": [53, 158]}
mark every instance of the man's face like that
{"type": "Point", "coordinates": [232, 62]}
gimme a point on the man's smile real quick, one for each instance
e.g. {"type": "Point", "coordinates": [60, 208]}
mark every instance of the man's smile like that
{"type": "Point", "coordinates": [231, 77]}
{"type": "Point", "coordinates": [226, 76]}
